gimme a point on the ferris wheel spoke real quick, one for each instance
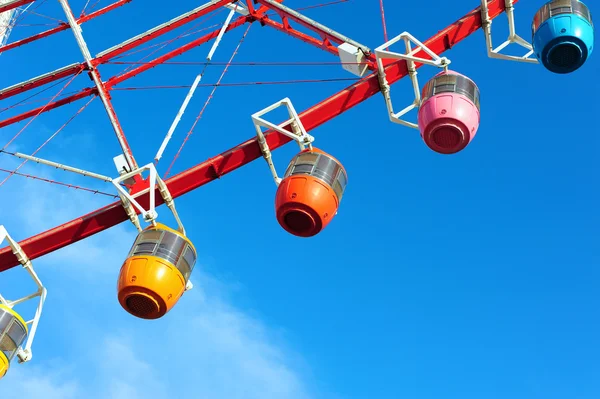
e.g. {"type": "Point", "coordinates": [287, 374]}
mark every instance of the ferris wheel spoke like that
{"type": "Point", "coordinates": [63, 27]}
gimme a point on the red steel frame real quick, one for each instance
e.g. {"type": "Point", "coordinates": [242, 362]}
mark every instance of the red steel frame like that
{"type": "Point", "coordinates": [64, 25]}
{"type": "Point", "coordinates": [246, 152]}
{"type": "Point", "coordinates": [14, 4]}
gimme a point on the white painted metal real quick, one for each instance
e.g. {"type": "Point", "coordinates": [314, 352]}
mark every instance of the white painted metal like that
{"type": "Point", "coordinates": [409, 56]}
{"type": "Point", "coordinates": [238, 7]}
{"type": "Point", "coordinates": [298, 132]}
{"type": "Point", "coordinates": [7, 19]}
{"type": "Point", "coordinates": [192, 90]}
{"type": "Point", "coordinates": [150, 214]}
{"type": "Point", "coordinates": [513, 38]}
{"type": "Point", "coordinates": [275, 5]}
{"type": "Point", "coordinates": [62, 166]}
{"type": "Point", "coordinates": [37, 78]}
{"type": "Point", "coordinates": [158, 27]}
{"type": "Point", "coordinates": [24, 353]}
{"type": "Point", "coordinates": [77, 32]}
{"type": "Point", "coordinates": [353, 59]}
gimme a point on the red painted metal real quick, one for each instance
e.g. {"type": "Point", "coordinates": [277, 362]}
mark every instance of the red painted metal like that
{"type": "Point", "coordinates": [246, 152]}
{"type": "Point", "coordinates": [112, 54]}
{"type": "Point", "coordinates": [64, 26]}
{"type": "Point", "coordinates": [50, 106]}
{"type": "Point", "coordinates": [165, 29]}
{"type": "Point", "coordinates": [32, 84]}
{"type": "Point", "coordinates": [119, 78]}
{"type": "Point", "coordinates": [14, 4]}
{"type": "Point", "coordinates": [285, 27]}
{"type": "Point", "coordinates": [326, 42]}
{"type": "Point", "coordinates": [172, 54]}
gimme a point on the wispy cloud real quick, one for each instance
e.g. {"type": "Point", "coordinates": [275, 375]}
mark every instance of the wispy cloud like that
{"type": "Point", "coordinates": [206, 347]}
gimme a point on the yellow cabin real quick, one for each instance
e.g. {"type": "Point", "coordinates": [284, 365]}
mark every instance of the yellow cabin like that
{"type": "Point", "coordinates": [156, 272]}
{"type": "Point", "coordinates": [13, 331]}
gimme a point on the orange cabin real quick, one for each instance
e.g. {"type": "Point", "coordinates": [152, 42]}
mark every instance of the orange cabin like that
{"type": "Point", "coordinates": [310, 192]}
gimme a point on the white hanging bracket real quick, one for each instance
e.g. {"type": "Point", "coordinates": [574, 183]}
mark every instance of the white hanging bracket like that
{"type": "Point", "coordinates": [129, 202]}
{"type": "Point", "coordinates": [513, 38]}
{"type": "Point", "coordinates": [381, 53]}
{"type": "Point", "coordinates": [298, 132]}
{"type": "Point", "coordinates": [24, 353]}
{"type": "Point", "coordinates": [238, 7]}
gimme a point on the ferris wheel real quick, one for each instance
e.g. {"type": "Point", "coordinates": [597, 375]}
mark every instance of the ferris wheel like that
{"type": "Point", "coordinates": [156, 272]}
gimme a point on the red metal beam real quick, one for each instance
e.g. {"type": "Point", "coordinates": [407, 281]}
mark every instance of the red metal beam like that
{"type": "Point", "coordinates": [41, 81]}
{"type": "Point", "coordinates": [67, 100]}
{"type": "Point", "coordinates": [244, 153]}
{"type": "Point", "coordinates": [154, 33]}
{"type": "Point", "coordinates": [64, 26]}
{"type": "Point", "coordinates": [120, 78]}
{"type": "Point", "coordinates": [174, 53]}
{"type": "Point", "coordinates": [130, 44]}
{"type": "Point", "coordinates": [327, 40]}
{"type": "Point", "coordinates": [285, 27]}
{"type": "Point", "coordinates": [18, 89]}
{"type": "Point", "coordinates": [14, 4]}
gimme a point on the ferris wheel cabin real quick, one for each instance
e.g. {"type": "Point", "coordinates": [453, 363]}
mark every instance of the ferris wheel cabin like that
{"type": "Point", "coordinates": [156, 272]}
{"type": "Point", "coordinates": [309, 195]}
{"type": "Point", "coordinates": [449, 112]}
{"type": "Point", "coordinates": [13, 331]}
{"type": "Point", "coordinates": [563, 35]}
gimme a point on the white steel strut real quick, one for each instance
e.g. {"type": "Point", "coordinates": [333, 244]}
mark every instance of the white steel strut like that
{"type": "Point", "coordinates": [60, 166]}
{"type": "Point", "coordinates": [409, 56]}
{"type": "Point", "coordinates": [129, 202]}
{"type": "Point", "coordinates": [102, 92]}
{"type": "Point", "coordinates": [8, 20]}
{"type": "Point", "coordinates": [188, 97]}
{"type": "Point", "coordinates": [298, 132]}
{"type": "Point", "coordinates": [150, 214]}
{"type": "Point", "coordinates": [513, 38]}
{"type": "Point", "coordinates": [24, 353]}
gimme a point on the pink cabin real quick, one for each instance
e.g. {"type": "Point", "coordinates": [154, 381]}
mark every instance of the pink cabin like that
{"type": "Point", "coordinates": [449, 112]}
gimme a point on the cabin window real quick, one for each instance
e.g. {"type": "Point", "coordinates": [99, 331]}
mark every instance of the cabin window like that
{"type": "Point", "coordinates": [326, 169]}
{"type": "Point", "coordinates": [12, 336]}
{"type": "Point", "coordinates": [320, 166]}
{"type": "Point", "coordinates": [170, 248]}
{"type": "Point", "coordinates": [186, 262]}
{"type": "Point", "coordinates": [146, 242]}
{"type": "Point", "coordinates": [145, 248]}
{"type": "Point", "coordinates": [339, 185]}
{"type": "Point", "coordinates": [560, 7]}
{"type": "Point", "coordinates": [451, 83]}
{"type": "Point", "coordinates": [17, 333]}
{"type": "Point", "coordinates": [7, 346]}
{"type": "Point", "coordinates": [302, 164]}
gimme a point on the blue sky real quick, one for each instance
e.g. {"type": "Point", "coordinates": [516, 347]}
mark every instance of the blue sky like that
{"type": "Point", "coordinates": [465, 276]}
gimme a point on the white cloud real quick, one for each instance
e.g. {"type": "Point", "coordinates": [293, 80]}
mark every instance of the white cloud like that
{"type": "Point", "coordinates": [206, 347]}
{"type": "Point", "coordinates": [38, 382]}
